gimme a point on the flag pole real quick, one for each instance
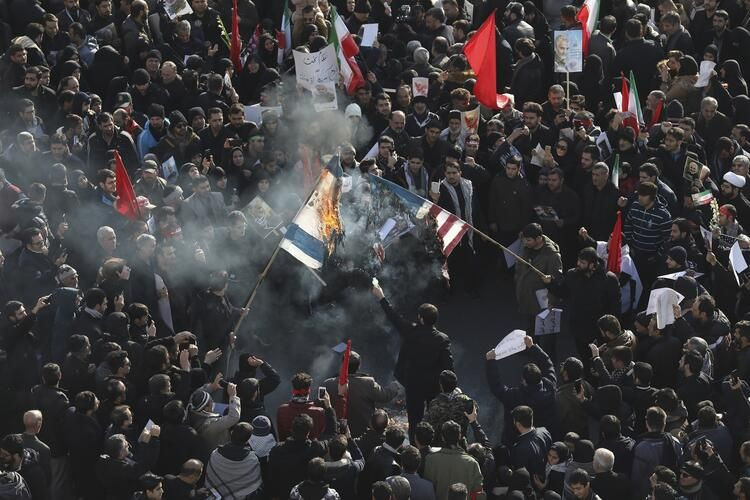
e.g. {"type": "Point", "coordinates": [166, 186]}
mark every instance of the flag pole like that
{"type": "Point", "coordinates": [506, 249]}
{"type": "Point", "coordinates": [567, 89]}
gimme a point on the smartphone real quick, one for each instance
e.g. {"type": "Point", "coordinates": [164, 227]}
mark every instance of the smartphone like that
{"type": "Point", "coordinates": [578, 385]}
{"type": "Point", "coordinates": [321, 392]}
{"type": "Point", "coordinates": [223, 383]}
{"type": "Point", "coordinates": [435, 187]}
{"type": "Point", "coordinates": [47, 299]}
{"type": "Point", "coordinates": [735, 379]}
{"type": "Point", "coordinates": [343, 425]}
{"type": "Point", "coordinates": [469, 406]}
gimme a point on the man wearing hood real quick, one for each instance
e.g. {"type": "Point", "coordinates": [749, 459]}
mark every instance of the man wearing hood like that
{"type": "Point", "coordinates": [180, 142]}
{"type": "Point", "coordinates": [145, 93]}
{"type": "Point", "coordinates": [590, 291]}
{"type": "Point", "coordinates": [153, 132]}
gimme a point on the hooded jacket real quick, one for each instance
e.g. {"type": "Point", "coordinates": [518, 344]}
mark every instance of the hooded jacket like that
{"type": "Point", "coordinates": [213, 428]}
{"type": "Point", "coordinates": [546, 260]}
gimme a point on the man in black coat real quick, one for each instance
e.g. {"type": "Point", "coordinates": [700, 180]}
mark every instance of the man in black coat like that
{"type": "Point", "coordinates": [695, 385]}
{"type": "Point", "coordinates": [82, 435]}
{"type": "Point", "coordinates": [607, 483]}
{"type": "Point", "coordinates": [531, 445]}
{"type": "Point", "coordinates": [589, 291]}
{"type": "Point", "coordinates": [119, 472]}
{"type": "Point", "coordinates": [425, 352]}
{"type": "Point", "coordinates": [288, 460]}
{"type": "Point", "coordinates": [600, 203]}
{"type": "Point", "coordinates": [14, 457]}
{"type": "Point", "coordinates": [90, 319]}
{"type": "Point", "coordinates": [383, 462]}
{"type": "Point", "coordinates": [537, 390]}
{"type": "Point", "coordinates": [639, 56]}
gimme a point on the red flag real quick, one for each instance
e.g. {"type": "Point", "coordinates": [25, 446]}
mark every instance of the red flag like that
{"type": "Point", "coordinates": [614, 252]}
{"type": "Point", "coordinates": [126, 203]}
{"type": "Point", "coordinates": [357, 78]}
{"type": "Point", "coordinates": [235, 45]}
{"type": "Point", "coordinates": [481, 53]}
{"type": "Point", "coordinates": [655, 115]}
{"type": "Point", "coordinates": [342, 403]}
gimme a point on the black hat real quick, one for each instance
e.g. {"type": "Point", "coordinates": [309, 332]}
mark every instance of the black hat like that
{"type": "Point", "coordinates": [420, 98]}
{"type": "Point", "coordinates": [695, 469]}
{"type": "Point", "coordinates": [454, 114]}
{"type": "Point", "coordinates": [515, 8]}
{"type": "Point", "coordinates": [686, 286]}
{"type": "Point", "coordinates": [175, 118]}
{"type": "Point", "coordinates": [434, 124]}
{"type": "Point", "coordinates": [141, 77]}
{"type": "Point", "coordinates": [678, 254]}
{"type": "Point", "coordinates": [153, 54]}
{"type": "Point", "coordinates": [196, 111]}
{"type": "Point", "coordinates": [156, 110]}
{"type": "Point", "coordinates": [362, 7]}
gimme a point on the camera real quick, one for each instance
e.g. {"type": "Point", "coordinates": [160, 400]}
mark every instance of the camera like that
{"type": "Point", "coordinates": [223, 383]}
{"type": "Point", "coordinates": [578, 385]}
{"type": "Point", "coordinates": [404, 14]}
{"type": "Point", "coordinates": [321, 392]}
{"type": "Point", "coordinates": [469, 406]}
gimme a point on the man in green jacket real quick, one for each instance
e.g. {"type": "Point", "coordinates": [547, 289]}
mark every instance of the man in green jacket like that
{"type": "Point", "coordinates": [452, 465]}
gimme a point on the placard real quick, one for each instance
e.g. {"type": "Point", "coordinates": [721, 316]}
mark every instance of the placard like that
{"type": "Point", "coordinates": [511, 344]}
{"type": "Point", "coordinates": [261, 217]}
{"type": "Point", "coordinates": [420, 86]}
{"type": "Point", "coordinates": [177, 8]}
{"type": "Point", "coordinates": [318, 68]}
{"type": "Point", "coordinates": [568, 51]}
{"type": "Point", "coordinates": [548, 322]}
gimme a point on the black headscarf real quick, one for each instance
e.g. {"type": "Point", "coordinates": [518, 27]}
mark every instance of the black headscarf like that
{"type": "Point", "coordinates": [736, 85]}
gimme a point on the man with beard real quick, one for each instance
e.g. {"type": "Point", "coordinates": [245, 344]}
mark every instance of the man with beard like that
{"type": "Point", "coordinates": [13, 70]}
{"type": "Point", "coordinates": [145, 93]}
{"type": "Point", "coordinates": [433, 147]}
{"type": "Point", "coordinates": [107, 138]}
{"type": "Point", "coordinates": [414, 175]}
{"type": "Point", "coordinates": [53, 39]}
{"type": "Point", "coordinates": [44, 98]}
{"type": "Point", "coordinates": [203, 207]}
{"type": "Point", "coordinates": [180, 141]}
{"type": "Point", "coordinates": [395, 130]}
{"type": "Point", "coordinates": [731, 192]}
{"type": "Point", "coordinates": [172, 82]}
{"type": "Point", "coordinates": [417, 121]}
{"type": "Point", "coordinates": [590, 291]}
{"type": "Point", "coordinates": [153, 132]}
{"type": "Point", "coordinates": [135, 28]}
{"type": "Point", "coordinates": [205, 23]}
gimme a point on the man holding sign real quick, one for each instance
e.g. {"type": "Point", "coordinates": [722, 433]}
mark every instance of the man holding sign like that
{"type": "Point", "coordinates": [537, 389]}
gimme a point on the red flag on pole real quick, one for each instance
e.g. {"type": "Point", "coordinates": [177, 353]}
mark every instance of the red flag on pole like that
{"type": "Point", "coordinates": [126, 203]}
{"type": "Point", "coordinates": [655, 115]}
{"type": "Point", "coordinates": [235, 45]}
{"type": "Point", "coordinates": [614, 252]}
{"type": "Point", "coordinates": [343, 409]}
{"type": "Point", "coordinates": [481, 53]}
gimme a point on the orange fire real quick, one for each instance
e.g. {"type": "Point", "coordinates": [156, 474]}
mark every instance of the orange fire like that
{"type": "Point", "coordinates": [330, 218]}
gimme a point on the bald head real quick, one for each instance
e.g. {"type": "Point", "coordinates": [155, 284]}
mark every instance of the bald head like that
{"type": "Point", "coordinates": [192, 470]}
{"type": "Point", "coordinates": [32, 421]}
{"type": "Point", "coordinates": [397, 121]}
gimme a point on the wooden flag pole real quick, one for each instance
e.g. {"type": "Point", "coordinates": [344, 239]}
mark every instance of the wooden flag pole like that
{"type": "Point", "coordinates": [506, 249]}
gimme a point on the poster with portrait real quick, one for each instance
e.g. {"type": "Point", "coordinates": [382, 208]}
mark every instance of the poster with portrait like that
{"type": "Point", "coordinates": [177, 8]}
{"type": "Point", "coordinates": [261, 217]}
{"type": "Point", "coordinates": [568, 51]}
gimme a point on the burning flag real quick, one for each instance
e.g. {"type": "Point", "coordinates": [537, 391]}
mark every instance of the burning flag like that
{"type": "Point", "coordinates": [317, 228]}
{"type": "Point", "coordinates": [450, 228]}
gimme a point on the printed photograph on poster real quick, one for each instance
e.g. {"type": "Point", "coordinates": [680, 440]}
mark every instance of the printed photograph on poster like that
{"type": "Point", "coordinates": [568, 51]}
{"type": "Point", "coordinates": [177, 8]}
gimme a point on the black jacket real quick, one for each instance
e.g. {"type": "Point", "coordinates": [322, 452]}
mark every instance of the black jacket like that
{"type": "Point", "coordinates": [611, 485]}
{"type": "Point", "coordinates": [425, 352]}
{"type": "Point", "coordinates": [693, 390]}
{"type": "Point", "coordinates": [641, 57]}
{"type": "Point", "coordinates": [288, 464]}
{"type": "Point", "coordinates": [119, 477]}
{"type": "Point", "coordinates": [663, 353]}
{"type": "Point", "coordinates": [530, 451]}
{"type": "Point", "coordinates": [600, 210]}
{"type": "Point", "coordinates": [381, 463]}
{"type": "Point", "coordinates": [179, 443]}
{"type": "Point", "coordinates": [53, 403]}
{"type": "Point", "coordinates": [588, 298]}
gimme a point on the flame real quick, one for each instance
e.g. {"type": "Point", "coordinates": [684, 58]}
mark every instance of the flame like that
{"type": "Point", "coordinates": [328, 210]}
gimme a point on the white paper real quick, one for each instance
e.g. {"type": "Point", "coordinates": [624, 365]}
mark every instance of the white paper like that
{"type": "Point", "coordinates": [704, 75]}
{"type": "Point", "coordinates": [176, 8]}
{"type": "Point", "coordinates": [346, 183]}
{"type": "Point", "coordinates": [602, 141]}
{"type": "Point", "coordinates": [369, 34]}
{"type": "Point", "coordinates": [542, 298]}
{"type": "Point", "coordinates": [708, 237]}
{"type": "Point", "coordinates": [373, 152]}
{"type": "Point", "coordinates": [169, 170]}
{"type": "Point", "coordinates": [674, 276]}
{"type": "Point", "coordinates": [514, 247]}
{"type": "Point", "coordinates": [420, 86]}
{"type": "Point", "coordinates": [660, 302]}
{"type": "Point", "coordinates": [511, 344]}
{"type": "Point", "coordinates": [739, 264]}
{"type": "Point", "coordinates": [317, 68]}
{"type": "Point", "coordinates": [149, 425]}
{"type": "Point", "coordinates": [165, 309]}
{"type": "Point", "coordinates": [469, 8]}
{"type": "Point", "coordinates": [548, 322]}
{"type": "Point", "coordinates": [389, 224]}
{"type": "Point", "coordinates": [537, 155]}
{"type": "Point", "coordinates": [470, 121]}
{"type": "Point", "coordinates": [324, 97]}
{"type": "Point", "coordinates": [254, 113]}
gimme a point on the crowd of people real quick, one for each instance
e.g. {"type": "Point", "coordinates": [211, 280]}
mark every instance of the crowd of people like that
{"type": "Point", "coordinates": [123, 372]}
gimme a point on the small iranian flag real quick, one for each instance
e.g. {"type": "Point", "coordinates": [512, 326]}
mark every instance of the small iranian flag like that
{"type": "Point", "coordinates": [284, 35]}
{"type": "Point", "coordinates": [703, 198]}
{"type": "Point", "coordinates": [346, 49]}
{"type": "Point", "coordinates": [588, 16]}
{"type": "Point", "coordinates": [615, 176]}
{"type": "Point", "coordinates": [631, 104]}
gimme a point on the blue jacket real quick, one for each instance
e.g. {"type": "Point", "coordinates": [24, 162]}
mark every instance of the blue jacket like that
{"type": "Point", "coordinates": [146, 140]}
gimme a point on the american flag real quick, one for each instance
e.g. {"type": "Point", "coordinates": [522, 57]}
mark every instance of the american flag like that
{"type": "Point", "coordinates": [450, 228]}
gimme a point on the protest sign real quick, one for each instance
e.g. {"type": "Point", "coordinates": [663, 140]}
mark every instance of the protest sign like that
{"type": "Point", "coordinates": [261, 217]}
{"type": "Point", "coordinates": [568, 51]}
{"type": "Point", "coordinates": [548, 322]}
{"type": "Point", "coordinates": [318, 68]}
{"type": "Point", "coordinates": [511, 344]}
{"type": "Point", "coordinates": [420, 86]}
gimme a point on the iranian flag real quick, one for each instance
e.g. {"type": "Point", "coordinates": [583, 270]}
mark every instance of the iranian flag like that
{"type": "Point", "coordinates": [631, 104]}
{"type": "Point", "coordinates": [284, 35]}
{"type": "Point", "coordinates": [588, 16]}
{"type": "Point", "coordinates": [346, 49]}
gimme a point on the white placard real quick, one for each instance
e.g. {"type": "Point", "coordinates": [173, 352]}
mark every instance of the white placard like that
{"type": "Point", "coordinates": [254, 113]}
{"type": "Point", "coordinates": [708, 237]}
{"type": "Point", "coordinates": [369, 34]}
{"type": "Point", "coordinates": [469, 8]}
{"type": "Point", "coordinates": [548, 322]}
{"type": "Point", "coordinates": [318, 68]}
{"type": "Point", "coordinates": [169, 170]}
{"type": "Point", "coordinates": [470, 121]}
{"type": "Point", "coordinates": [568, 47]}
{"type": "Point", "coordinates": [704, 75]}
{"type": "Point", "coordinates": [420, 86]}
{"type": "Point", "coordinates": [542, 298]}
{"type": "Point", "coordinates": [511, 344]}
{"type": "Point", "coordinates": [660, 302]}
{"type": "Point", "coordinates": [177, 8]}
{"type": "Point", "coordinates": [324, 97]}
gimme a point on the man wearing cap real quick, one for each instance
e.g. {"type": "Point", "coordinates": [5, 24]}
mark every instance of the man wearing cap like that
{"type": "Point", "coordinates": [180, 141]}
{"type": "Point", "coordinates": [731, 192]}
{"type": "Point", "coordinates": [153, 132]}
{"type": "Point", "coordinates": [150, 185]}
{"type": "Point", "coordinates": [691, 484]}
{"type": "Point", "coordinates": [145, 93]}
{"type": "Point", "coordinates": [417, 121]}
